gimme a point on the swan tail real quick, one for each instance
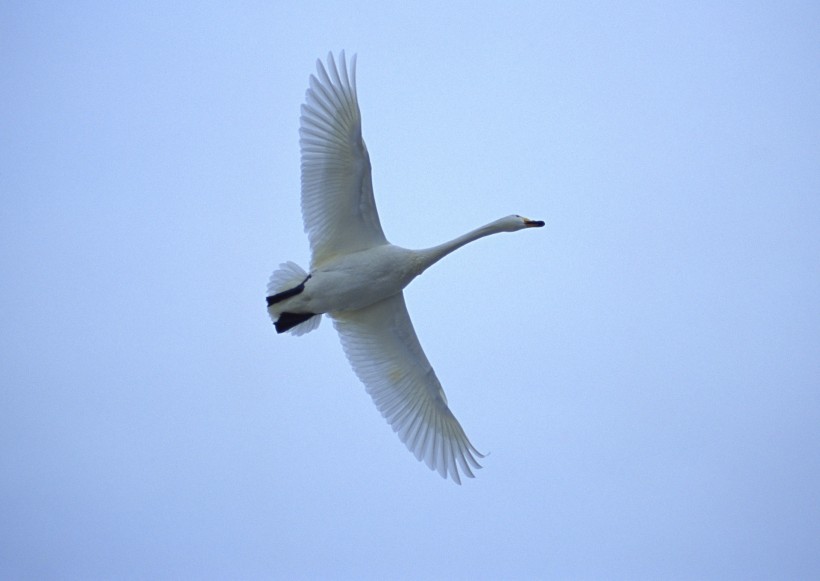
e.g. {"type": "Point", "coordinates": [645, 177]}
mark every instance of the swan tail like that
{"type": "Point", "coordinates": [296, 323]}
{"type": "Point", "coordinates": [285, 282]}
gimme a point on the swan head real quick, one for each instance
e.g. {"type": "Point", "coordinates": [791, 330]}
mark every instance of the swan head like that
{"type": "Point", "coordinates": [515, 222]}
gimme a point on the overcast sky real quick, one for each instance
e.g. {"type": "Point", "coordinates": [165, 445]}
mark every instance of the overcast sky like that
{"type": "Point", "coordinates": [644, 372]}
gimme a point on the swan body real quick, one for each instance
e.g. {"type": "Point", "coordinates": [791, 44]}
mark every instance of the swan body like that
{"type": "Point", "coordinates": [349, 282]}
{"type": "Point", "coordinates": [357, 277]}
{"type": "Point", "coordinates": [353, 281]}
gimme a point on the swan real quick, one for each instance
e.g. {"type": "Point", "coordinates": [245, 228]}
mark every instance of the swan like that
{"type": "Point", "coordinates": [357, 277]}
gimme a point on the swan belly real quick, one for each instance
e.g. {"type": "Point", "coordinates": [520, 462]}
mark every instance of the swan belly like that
{"type": "Point", "coordinates": [358, 280]}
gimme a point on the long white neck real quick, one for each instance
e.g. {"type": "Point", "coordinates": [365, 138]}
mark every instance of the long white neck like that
{"type": "Point", "coordinates": [430, 256]}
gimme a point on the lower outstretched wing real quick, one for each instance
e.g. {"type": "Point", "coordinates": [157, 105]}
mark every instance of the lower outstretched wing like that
{"type": "Point", "coordinates": [385, 353]}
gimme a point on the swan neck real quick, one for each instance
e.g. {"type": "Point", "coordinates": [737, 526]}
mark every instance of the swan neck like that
{"type": "Point", "coordinates": [432, 255]}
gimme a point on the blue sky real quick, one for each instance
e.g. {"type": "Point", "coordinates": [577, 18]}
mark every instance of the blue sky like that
{"type": "Point", "coordinates": [644, 371]}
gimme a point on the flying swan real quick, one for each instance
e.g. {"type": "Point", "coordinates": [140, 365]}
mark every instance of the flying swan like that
{"type": "Point", "coordinates": [356, 276]}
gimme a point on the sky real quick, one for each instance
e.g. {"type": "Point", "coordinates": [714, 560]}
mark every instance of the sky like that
{"type": "Point", "coordinates": [643, 372]}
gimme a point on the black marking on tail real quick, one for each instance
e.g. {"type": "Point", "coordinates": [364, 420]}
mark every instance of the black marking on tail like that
{"type": "Point", "coordinates": [288, 321]}
{"type": "Point", "coordinates": [291, 292]}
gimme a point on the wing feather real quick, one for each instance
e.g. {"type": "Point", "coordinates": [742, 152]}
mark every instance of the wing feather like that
{"type": "Point", "coordinates": [338, 207]}
{"type": "Point", "coordinates": [385, 353]}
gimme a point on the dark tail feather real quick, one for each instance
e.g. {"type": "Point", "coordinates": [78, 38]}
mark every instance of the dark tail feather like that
{"type": "Point", "coordinates": [273, 299]}
{"type": "Point", "coordinates": [288, 321]}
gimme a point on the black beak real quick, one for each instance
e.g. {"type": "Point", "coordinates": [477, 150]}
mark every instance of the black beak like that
{"type": "Point", "coordinates": [534, 223]}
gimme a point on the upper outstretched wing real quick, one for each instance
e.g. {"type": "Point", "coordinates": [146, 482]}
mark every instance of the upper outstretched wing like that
{"type": "Point", "coordinates": [385, 353]}
{"type": "Point", "coordinates": [337, 193]}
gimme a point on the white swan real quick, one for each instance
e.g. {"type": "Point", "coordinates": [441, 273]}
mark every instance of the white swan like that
{"type": "Point", "coordinates": [356, 276]}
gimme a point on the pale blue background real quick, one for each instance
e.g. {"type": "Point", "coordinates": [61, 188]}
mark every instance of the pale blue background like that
{"type": "Point", "coordinates": [645, 370]}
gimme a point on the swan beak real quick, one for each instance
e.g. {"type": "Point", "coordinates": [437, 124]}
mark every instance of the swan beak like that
{"type": "Point", "coordinates": [533, 223]}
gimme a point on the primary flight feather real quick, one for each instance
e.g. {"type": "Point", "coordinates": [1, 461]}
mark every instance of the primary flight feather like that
{"type": "Point", "coordinates": [357, 277]}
